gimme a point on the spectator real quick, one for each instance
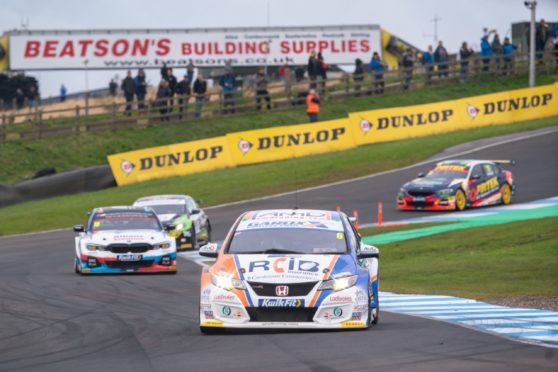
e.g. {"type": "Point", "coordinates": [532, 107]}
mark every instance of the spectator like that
{"type": "Point", "coordinates": [283, 71]}
{"type": "Point", "coordinates": [465, 54]}
{"type": "Point", "coordinates": [129, 89]}
{"type": "Point", "coordinates": [313, 105]}
{"type": "Point", "coordinates": [164, 72]}
{"type": "Point", "coordinates": [358, 76]}
{"type": "Point", "coordinates": [190, 71]}
{"type": "Point", "coordinates": [20, 98]}
{"type": "Point", "coordinates": [441, 58]}
{"type": "Point", "coordinates": [112, 87]}
{"type": "Point", "coordinates": [486, 49]}
{"type": "Point", "coordinates": [200, 88]}
{"type": "Point", "coordinates": [172, 87]}
{"type": "Point", "coordinates": [507, 51]}
{"type": "Point", "coordinates": [377, 67]}
{"type": "Point", "coordinates": [62, 93]}
{"type": "Point", "coordinates": [313, 68]}
{"type": "Point", "coordinates": [428, 63]}
{"type": "Point", "coordinates": [183, 92]}
{"type": "Point", "coordinates": [227, 83]}
{"type": "Point", "coordinates": [31, 96]}
{"type": "Point", "coordinates": [260, 86]}
{"type": "Point", "coordinates": [163, 95]}
{"type": "Point", "coordinates": [322, 71]}
{"type": "Point", "coordinates": [541, 38]}
{"type": "Point", "coordinates": [141, 89]}
{"type": "Point", "coordinates": [299, 74]}
{"type": "Point", "coordinates": [407, 63]}
{"type": "Point", "coordinates": [555, 41]}
{"type": "Point", "coordinates": [285, 74]}
{"type": "Point", "coordinates": [496, 50]}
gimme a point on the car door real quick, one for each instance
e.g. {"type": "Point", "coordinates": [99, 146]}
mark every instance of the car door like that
{"type": "Point", "coordinates": [476, 179]}
{"type": "Point", "coordinates": [492, 183]}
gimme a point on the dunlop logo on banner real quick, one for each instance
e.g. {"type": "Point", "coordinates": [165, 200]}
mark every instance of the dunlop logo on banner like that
{"type": "Point", "coordinates": [167, 161]}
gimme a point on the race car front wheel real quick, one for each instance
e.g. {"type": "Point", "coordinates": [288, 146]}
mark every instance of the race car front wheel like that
{"type": "Point", "coordinates": [460, 200]}
{"type": "Point", "coordinates": [76, 267]}
{"type": "Point", "coordinates": [506, 194]}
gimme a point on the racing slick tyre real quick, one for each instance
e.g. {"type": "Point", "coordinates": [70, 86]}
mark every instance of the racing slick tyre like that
{"type": "Point", "coordinates": [195, 244]}
{"type": "Point", "coordinates": [76, 267]}
{"type": "Point", "coordinates": [460, 200]}
{"type": "Point", "coordinates": [208, 233]}
{"type": "Point", "coordinates": [505, 191]}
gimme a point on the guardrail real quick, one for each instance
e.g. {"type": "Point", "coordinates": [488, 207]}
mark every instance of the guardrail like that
{"type": "Point", "coordinates": [40, 121]}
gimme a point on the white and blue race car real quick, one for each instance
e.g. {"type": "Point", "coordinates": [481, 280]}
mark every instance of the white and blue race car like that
{"type": "Point", "coordinates": [123, 240]}
{"type": "Point", "coordinates": [290, 269]}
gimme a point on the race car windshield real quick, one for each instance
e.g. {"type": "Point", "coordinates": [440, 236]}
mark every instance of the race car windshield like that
{"type": "Point", "coordinates": [168, 208]}
{"type": "Point", "coordinates": [285, 240]}
{"type": "Point", "coordinates": [446, 174]}
{"type": "Point", "coordinates": [125, 221]}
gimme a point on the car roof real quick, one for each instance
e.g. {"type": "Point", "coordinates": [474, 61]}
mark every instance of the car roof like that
{"type": "Point", "coordinates": [463, 162]}
{"type": "Point", "coordinates": [122, 209]}
{"type": "Point", "coordinates": [162, 199]}
{"type": "Point", "coordinates": [291, 218]}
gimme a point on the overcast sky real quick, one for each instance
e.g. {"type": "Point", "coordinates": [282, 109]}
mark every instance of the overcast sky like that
{"type": "Point", "coordinates": [461, 20]}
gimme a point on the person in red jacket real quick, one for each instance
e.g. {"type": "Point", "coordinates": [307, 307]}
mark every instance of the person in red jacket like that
{"type": "Point", "coordinates": [312, 105]}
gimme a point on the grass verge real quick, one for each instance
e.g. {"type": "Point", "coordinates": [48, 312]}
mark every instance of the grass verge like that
{"type": "Point", "coordinates": [509, 260]}
{"type": "Point", "coordinates": [22, 158]}
{"type": "Point", "coordinates": [250, 181]}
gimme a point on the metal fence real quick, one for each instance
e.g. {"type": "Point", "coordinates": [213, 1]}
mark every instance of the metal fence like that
{"type": "Point", "coordinates": [43, 121]}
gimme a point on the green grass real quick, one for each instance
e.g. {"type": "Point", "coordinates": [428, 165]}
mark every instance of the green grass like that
{"type": "Point", "coordinates": [376, 230]}
{"type": "Point", "coordinates": [250, 181]}
{"type": "Point", "coordinates": [22, 158]}
{"type": "Point", "coordinates": [508, 260]}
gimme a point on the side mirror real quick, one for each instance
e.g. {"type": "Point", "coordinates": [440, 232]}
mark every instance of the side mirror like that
{"type": "Point", "coordinates": [421, 174]}
{"type": "Point", "coordinates": [475, 176]}
{"type": "Point", "coordinates": [170, 227]}
{"type": "Point", "coordinates": [79, 228]}
{"type": "Point", "coordinates": [368, 251]}
{"type": "Point", "coordinates": [210, 250]}
{"type": "Point", "coordinates": [195, 211]}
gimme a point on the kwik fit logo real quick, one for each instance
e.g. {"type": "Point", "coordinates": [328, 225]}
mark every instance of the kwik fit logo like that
{"type": "Point", "coordinates": [281, 302]}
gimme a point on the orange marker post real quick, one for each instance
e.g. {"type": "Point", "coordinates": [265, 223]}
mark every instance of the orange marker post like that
{"type": "Point", "coordinates": [355, 215]}
{"type": "Point", "coordinates": [380, 214]}
{"type": "Point", "coordinates": [338, 208]}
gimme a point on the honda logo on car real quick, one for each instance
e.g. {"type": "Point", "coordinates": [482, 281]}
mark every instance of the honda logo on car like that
{"type": "Point", "coordinates": [282, 290]}
{"type": "Point", "coordinates": [281, 302]}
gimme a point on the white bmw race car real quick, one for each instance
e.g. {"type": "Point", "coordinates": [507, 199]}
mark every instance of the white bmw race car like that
{"type": "Point", "coordinates": [123, 240]}
{"type": "Point", "coordinates": [290, 269]}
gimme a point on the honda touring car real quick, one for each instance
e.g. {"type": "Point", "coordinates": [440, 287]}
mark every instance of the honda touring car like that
{"type": "Point", "coordinates": [290, 269]}
{"type": "Point", "coordinates": [186, 221]}
{"type": "Point", "coordinates": [123, 240]}
{"type": "Point", "coordinates": [459, 184]}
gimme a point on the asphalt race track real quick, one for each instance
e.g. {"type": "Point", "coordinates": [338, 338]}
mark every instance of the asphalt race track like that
{"type": "Point", "coordinates": [53, 320]}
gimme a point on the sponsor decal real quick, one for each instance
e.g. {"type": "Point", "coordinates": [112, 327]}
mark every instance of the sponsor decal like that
{"type": "Point", "coordinates": [226, 311]}
{"type": "Point", "coordinates": [212, 323]}
{"type": "Point", "coordinates": [402, 121]}
{"type": "Point", "coordinates": [127, 166]}
{"type": "Point", "coordinates": [352, 324]}
{"type": "Point", "coordinates": [519, 103]}
{"type": "Point", "coordinates": [472, 111]}
{"type": "Point", "coordinates": [284, 264]}
{"type": "Point", "coordinates": [274, 224]}
{"type": "Point", "coordinates": [208, 314]}
{"type": "Point", "coordinates": [340, 299]}
{"type": "Point", "coordinates": [281, 302]}
{"type": "Point", "coordinates": [224, 297]}
{"type": "Point", "coordinates": [244, 146]}
{"type": "Point", "coordinates": [177, 158]}
{"type": "Point", "coordinates": [282, 290]}
{"type": "Point", "coordinates": [292, 215]}
{"type": "Point", "coordinates": [365, 126]}
{"type": "Point", "coordinates": [298, 139]}
{"type": "Point", "coordinates": [356, 316]}
{"type": "Point", "coordinates": [337, 312]}
{"type": "Point", "coordinates": [487, 186]}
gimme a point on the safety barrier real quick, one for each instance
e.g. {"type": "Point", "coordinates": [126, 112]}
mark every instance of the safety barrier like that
{"type": "Point", "coordinates": [359, 128]}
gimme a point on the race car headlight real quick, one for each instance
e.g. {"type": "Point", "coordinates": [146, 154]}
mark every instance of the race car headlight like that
{"type": "Point", "coordinates": [338, 284]}
{"type": "Point", "coordinates": [180, 226]}
{"type": "Point", "coordinates": [402, 192]}
{"type": "Point", "coordinates": [95, 247]}
{"type": "Point", "coordinates": [445, 192]}
{"type": "Point", "coordinates": [162, 245]}
{"type": "Point", "coordinates": [226, 281]}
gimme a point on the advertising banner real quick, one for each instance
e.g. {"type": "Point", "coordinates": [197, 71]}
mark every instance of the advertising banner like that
{"type": "Point", "coordinates": [172, 160]}
{"type": "Point", "coordinates": [264, 145]}
{"type": "Point", "coordinates": [4, 53]}
{"type": "Point", "coordinates": [205, 47]}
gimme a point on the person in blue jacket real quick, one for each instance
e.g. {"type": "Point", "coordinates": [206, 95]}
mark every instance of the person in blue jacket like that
{"type": "Point", "coordinates": [486, 49]}
{"type": "Point", "coordinates": [428, 62]}
{"type": "Point", "coordinates": [441, 57]}
{"type": "Point", "coordinates": [378, 68]}
{"type": "Point", "coordinates": [554, 34]}
{"type": "Point", "coordinates": [507, 51]}
{"type": "Point", "coordinates": [228, 83]}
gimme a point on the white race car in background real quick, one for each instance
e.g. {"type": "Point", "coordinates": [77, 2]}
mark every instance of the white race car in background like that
{"type": "Point", "coordinates": [290, 269]}
{"type": "Point", "coordinates": [123, 240]}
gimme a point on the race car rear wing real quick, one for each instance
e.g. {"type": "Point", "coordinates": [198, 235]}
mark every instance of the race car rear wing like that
{"type": "Point", "coordinates": [502, 162]}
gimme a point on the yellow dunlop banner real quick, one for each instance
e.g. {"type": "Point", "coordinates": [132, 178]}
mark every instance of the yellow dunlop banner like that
{"type": "Point", "coordinates": [403, 122]}
{"type": "Point", "coordinates": [508, 107]}
{"type": "Point", "coordinates": [258, 146]}
{"type": "Point", "coordinates": [4, 53]}
{"type": "Point", "coordinates": [172, 160]}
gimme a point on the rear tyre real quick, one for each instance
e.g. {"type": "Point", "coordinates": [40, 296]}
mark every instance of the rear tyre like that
{"type": "Point", "coordinates": [506, 195]}
{"type": "Point", "coordinates": [195, 244]}
{"type": "Point", "coordinates": [460, 200]}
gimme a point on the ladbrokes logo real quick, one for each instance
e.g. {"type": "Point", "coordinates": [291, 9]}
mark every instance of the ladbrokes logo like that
{"type": "Point", "coordinates": [177, 158]}
{"type": "Point", "coordinates": [127, 166]}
